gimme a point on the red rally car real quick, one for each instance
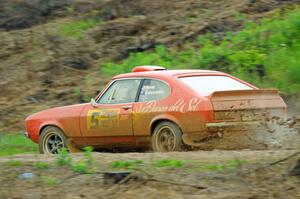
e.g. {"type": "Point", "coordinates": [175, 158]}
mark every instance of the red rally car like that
{"type": "Point", "coordinates": [152, 106]}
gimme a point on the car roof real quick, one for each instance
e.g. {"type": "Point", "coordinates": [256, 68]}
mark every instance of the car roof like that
{"type": "Point", "coordinates": [168, 73]}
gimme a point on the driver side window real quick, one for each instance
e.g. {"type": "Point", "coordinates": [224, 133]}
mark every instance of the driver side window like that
{"type": "Point", "coordinates": [121, 91]}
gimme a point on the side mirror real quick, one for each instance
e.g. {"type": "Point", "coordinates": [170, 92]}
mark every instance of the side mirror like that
{"type": "Point", "coordinates": [93, 102]}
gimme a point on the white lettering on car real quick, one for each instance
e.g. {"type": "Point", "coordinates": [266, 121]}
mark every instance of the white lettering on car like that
{"type": "Point", "coordinates": [180, 106]}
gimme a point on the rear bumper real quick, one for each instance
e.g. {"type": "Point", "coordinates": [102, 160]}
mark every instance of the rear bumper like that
{"type": "Point", "coordinates": [219, 126]}
{"type": "Point", "coordinates": [217, 130]}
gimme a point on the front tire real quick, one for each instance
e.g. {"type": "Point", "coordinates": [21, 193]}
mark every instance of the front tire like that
{"type": "Point", "coordinates": [52, 140]}
{"type": "Point", "coordinates": [167, 137]}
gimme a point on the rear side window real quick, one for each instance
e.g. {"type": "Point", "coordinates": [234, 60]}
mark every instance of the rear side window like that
{"type": "Point", "coordinates": [206, 85]}
{"type": "Point", "coordinates": [153, 90]}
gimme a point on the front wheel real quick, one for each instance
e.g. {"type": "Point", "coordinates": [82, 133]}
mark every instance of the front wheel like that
{"type": "Point", "coordinates": [166, 137]}
{"type": "Point", "coordinates": [52, 140]}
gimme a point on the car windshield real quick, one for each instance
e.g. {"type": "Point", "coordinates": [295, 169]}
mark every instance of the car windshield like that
{"type": "Point", "coordinates": [206, 85]}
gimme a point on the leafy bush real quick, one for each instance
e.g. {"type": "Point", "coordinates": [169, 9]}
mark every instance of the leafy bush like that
{"type": "Point", "coordinates": [77, 29]}
{"type": "Point", "coordinates": [169, 163]}
{"type": "Point", "coordinates": [212, 167]}
{"type": "Point", "coordinates": [77, 91]}
{"type": "Point", "coordinates": [126, 164]}
{"type": "Point", "coordinates": [235, 163]}
{"type": "Point", "coordinates": [41, 165]}
{"type": "Point", "coordinates": [50, 181]}
{"type": "Point", "coordinates": [64, 158]}
{"type": "Point", "coordinates": [89, 159]}
{"type": "Point", "coordinates": [14, 163]}
{"type": "Point", "coordinates": [265, 53]}
{"type": "Point", "coordinates": [80, 167]}
{"type": "Point", "coordinates": [220, 167]}
{"type": "Point", "coordinates": [87, 164]}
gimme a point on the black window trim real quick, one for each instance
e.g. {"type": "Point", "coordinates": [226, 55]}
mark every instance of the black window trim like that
{"type": "Point", "coordinates": [138, 91]}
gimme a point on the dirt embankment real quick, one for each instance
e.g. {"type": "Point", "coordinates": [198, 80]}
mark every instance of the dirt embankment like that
{"type": "Point", "coordinates": [40, 67]}
{"type": "Point", "coordinates": [253, 177]}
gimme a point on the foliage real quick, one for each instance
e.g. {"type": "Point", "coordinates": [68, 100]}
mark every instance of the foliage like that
{"type": "Point", "coordinates": [235, 163]}
{"type": "Point", "coordinates": [64, 158]}
{"type": "Point", "coordinates": [266, 53]}
{"type": "Point", "coordinates": [126, 164]}
{"type": "Point", "coordinates": [88, 157]}
{"type": "Point", "coordinates": [160, 56]}
{"type": "Point", "coordinates": [219, 167]}
{"type": "Point", "coordinates": [70, 9]}
{"type": "Point", "coordinates": [76, 29]}
{"type": "Point", "coordinates": [41, 165]}
{"type": "Point", "coordinates": [169, 163]}
{"type": "Point", "coordinates": [14, 163]}
{"type": "Point", "coordinates": [87, 164]}
{"type": "Point", "coordinates": [80, 167]}
{"type": "Point", "coordinates": [212, 167]}
{"type": "Point", "coordinates": [11, 144]}
{"type": "Point", "coordinates": [77, 91]}
{"type": "Point", "coordinates": [50, 181]}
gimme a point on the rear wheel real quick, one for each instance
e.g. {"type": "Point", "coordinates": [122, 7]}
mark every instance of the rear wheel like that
{"type": "Point", "coordinates": [52, 140]}
{"type": "Point", "coordinates": [167, 136]}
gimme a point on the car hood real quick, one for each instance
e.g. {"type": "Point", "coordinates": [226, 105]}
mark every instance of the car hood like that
{"type": "Point", "coordinates": [58, 111]}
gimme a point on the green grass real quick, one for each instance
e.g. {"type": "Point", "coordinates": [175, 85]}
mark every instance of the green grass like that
{"type": "Point", "coordinates": [126, 164]}
{"type": "Point", "coordinates": [50, 181]}
{"type": "Point", "coordinates": [11, 144]}
{"type": "Point", "coordinates": [212, 167]}
{"type": "Point", "coordinates": [41, 165]}
{"type": "Point", "coordinates": [77, 28]}
{"type": "Point", "coordinates": [265, 53]}
{"type": "Point", "coordinates": [14, 163]}
{"type": "Point", "coordinates": [220, 167]}
{"type": "Point", "coordinates": [80, 167]}
{"type": "Point", "coordinates": [169, 163]}
{"type": "Point", "coordinates": [87, 164]}
{"type": "Point", "coordinates": [64, 158]}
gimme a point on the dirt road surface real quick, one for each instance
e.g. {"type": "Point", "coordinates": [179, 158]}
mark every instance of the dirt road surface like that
{"type": "Point", "coordinates": [252, 177]}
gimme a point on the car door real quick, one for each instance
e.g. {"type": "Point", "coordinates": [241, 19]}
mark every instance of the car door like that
{"type": "Point", "coordinates": [111, 115]}
{"type": "Point", "coordinates": [152, 102]}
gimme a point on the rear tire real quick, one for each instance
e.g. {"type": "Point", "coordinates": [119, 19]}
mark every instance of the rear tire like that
{"type": "Point", "coordinates": [167, 137]}
{"type": "Point", "coordinates": [52, 140]}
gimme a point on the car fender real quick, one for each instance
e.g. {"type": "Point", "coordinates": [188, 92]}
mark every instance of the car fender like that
{"type": "Point", "coordinates": [51, 123]}
{"type": "Point", "coordinates": [165, 116]}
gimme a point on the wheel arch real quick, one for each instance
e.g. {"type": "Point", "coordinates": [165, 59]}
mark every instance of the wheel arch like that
{"type": "Point", "coordinates": [156, 121]}
{"type": "Point", "coordinates": [43, 143]}
{"type": "Point", "coordinates": [53, 124]}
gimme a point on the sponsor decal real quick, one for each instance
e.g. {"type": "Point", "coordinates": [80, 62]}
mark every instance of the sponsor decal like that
{"type": "Point", "coordinates": [102, 118]}
{"type": "Point", "coordinates": [180, 106]}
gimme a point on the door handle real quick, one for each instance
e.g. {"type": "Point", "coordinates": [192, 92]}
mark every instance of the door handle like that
{"type": "Point", "coordinates": [127, 107]}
